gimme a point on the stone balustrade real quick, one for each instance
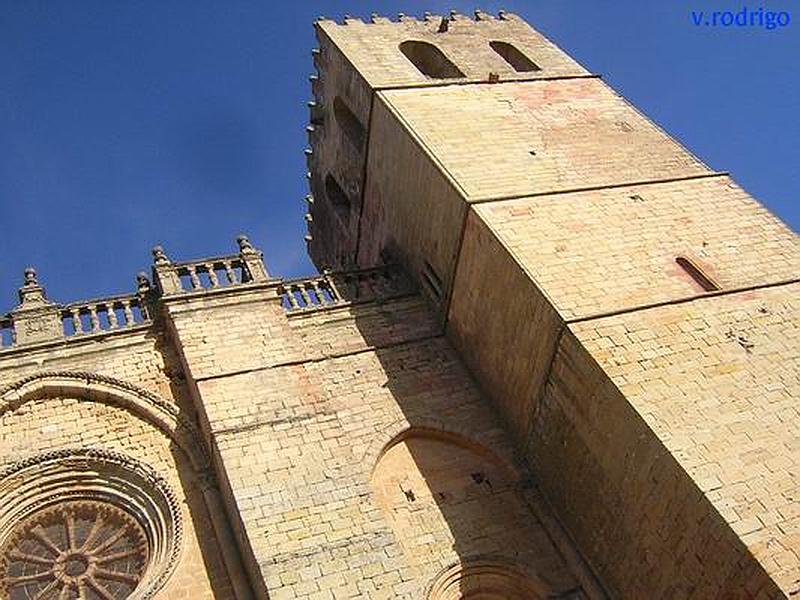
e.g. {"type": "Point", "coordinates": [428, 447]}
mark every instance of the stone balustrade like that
{"type": "Point", "coordinates": [107, 314]}
{"type": "Point", "coordinates": [6, 332]}
{"type": "Point", "coordinates": [211, 273]}
{"type": "Point", "coordinates": [38, 320]}
{"type": "Point", "coordinates": [338, 288]}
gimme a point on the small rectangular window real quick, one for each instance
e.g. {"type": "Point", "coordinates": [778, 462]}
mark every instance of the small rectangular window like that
{"type": "Point", "coordinates": [432, 281]}
{"type": "Point", "coordinates": [703, 280]}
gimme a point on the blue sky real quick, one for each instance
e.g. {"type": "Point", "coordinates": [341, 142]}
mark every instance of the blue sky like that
{"type": "Point", "coordinates": [126, 124]}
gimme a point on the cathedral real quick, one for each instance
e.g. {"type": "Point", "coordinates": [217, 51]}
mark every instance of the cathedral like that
{"type": "Point", "coordinates": [549, 354]}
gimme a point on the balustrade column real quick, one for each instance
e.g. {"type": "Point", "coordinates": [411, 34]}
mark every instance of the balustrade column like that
{"type": "Point", "coordinates": [127, 308]}
{"type": "Point", "coordinates": [212, 275]}
{"type": "Point", "coordinates": [112, 316]}
{"type": "Point", "coordinates": [75, 315]}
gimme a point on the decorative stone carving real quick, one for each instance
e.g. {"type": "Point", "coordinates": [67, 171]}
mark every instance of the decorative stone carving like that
{"type": "Point", "coordinates": [142, 283]}
{"type": "Point", "coordinates": [164, 273]}
{"type": "Point", "coordinates": [90, 488]}
{"type": "Point", "coordinates": [36, 319]}
{"type": "Point", "coordinates": [159, 256]}
{"type": "Point", "coordinates": [74, 546]}
{"type": "Point", "coordinates": [252, 259]}
{"type": "Point", "coordinates": [162, 413]}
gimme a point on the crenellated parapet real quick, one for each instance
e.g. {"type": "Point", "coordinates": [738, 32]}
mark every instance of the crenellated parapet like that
{"type": "Point", "coordinates": [357, 61]}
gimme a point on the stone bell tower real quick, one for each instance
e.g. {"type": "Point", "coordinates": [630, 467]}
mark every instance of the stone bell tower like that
{"type": "Point", "coordinates": [555, 357]}
{"type": "Point", "coordinates": [632, 313]}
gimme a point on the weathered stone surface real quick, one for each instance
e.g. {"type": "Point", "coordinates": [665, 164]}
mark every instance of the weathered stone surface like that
{"type": "Point", "coordinates": [558, 408]}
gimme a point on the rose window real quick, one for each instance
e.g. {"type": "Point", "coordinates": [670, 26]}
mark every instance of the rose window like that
{"type": "Point", "coordinates": [83, 549]}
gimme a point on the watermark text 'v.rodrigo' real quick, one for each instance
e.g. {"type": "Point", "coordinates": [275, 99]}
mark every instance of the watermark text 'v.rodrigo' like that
{"type": "Point", "coordinates": [760, 18]}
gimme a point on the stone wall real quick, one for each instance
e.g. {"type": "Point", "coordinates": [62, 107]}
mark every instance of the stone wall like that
{"type": "Point", "coordinates": [102, 394]}
{"type": "Point", "coordinates": [301, 427]}
{"type": "Point", "coordinates": [551, 209]}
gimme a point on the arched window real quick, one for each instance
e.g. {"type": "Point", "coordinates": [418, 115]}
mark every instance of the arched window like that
{"type": "Point", "coordinates": [514, 57]}
{"type": "Point", "coordinates": [429, 60]}
{"type": "Point", "coordinates": [351, 126]}
{"type": "Point", "coordinates": [339, 200]}
{"type": "Point", "coordinates": [703, 280]}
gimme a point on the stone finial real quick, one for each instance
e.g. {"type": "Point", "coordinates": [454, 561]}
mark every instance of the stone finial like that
{"type": "Point", "coordinates": [245, 246]}
{"type": "Point", "coordinates": [36, 319]}
{"type": "Point", "coordinates": [31, 293]}
{"type": "Point", "coordinates": [251, 257]}
{"type": "Point", "coordinates": [159, 256]}
{"type": "Point", "coordinates": [142, 283]}
{"type": "Point", "coordinates": [164, 274]}
{"type": "Point", "coordinates": [30, 277]}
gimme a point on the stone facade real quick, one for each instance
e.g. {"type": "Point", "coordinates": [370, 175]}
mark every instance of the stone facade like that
{"type": "Point", "coordinates": [556, 357]}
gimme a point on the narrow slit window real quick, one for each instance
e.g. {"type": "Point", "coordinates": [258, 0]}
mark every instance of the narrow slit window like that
{"type": "Point", "coordinates": [338, 198]}
{"type": "Point", "coordinates": [514, 57]}
{"type": "Point", "coordinates": [703, 280]}
{"type": "Point", "coordinates": [432, 281]}
{"type": "Point", "coordinates": [349, 123]}
{"type": "Point", "coordinates": [429, 60]}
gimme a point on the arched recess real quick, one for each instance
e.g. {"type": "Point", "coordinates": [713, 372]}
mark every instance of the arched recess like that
{"type": "Point", "coordinates": [349, 123]}
{"type": "Point", "coordinates": [429, 60]}
{"type": "Point", "coordinates": [157, 411]}
{"type": "Point", "coordinates": [338, 198]}
{"type": "Point", "coordinates": [486, 579]}
{"type": "Point", "coordinates": [514, 57]}
{"type": "Point", "coordinates": [451, 500]}
{"type": "Point", "coordinates": [400, 429]}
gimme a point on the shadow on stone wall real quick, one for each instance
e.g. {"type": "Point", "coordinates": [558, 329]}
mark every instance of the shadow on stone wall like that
{"type": "Point", "coordinates": [445, 478]}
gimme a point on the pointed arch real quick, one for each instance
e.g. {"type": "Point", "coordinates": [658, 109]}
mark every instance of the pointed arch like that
{"type": "Point", "coordinates": [487, 577]}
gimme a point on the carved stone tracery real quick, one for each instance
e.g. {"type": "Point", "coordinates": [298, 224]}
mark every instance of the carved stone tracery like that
{"type": "Point", "coordinates": [81, 548]}
{"type": "Point", "coordinates": [86, 523]}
